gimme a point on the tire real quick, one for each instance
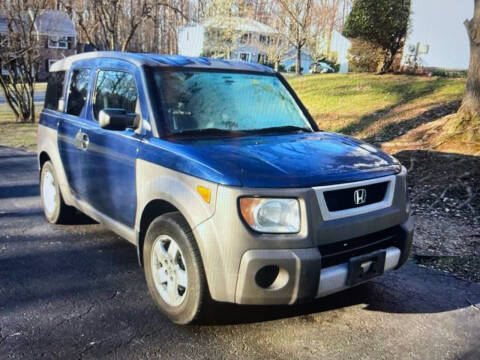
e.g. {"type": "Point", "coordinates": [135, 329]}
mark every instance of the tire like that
{"type": "Point", "coordinates": [54, 207]}
{"type": "Point", "coordinates": [175, 277]}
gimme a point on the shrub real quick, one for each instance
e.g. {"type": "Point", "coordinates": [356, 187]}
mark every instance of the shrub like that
{"type": "Point", "coordinates": [365, 56]}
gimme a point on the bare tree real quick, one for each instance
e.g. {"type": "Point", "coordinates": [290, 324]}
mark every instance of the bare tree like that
{"type": "Point", "coordinates": [326, 18]}
{"type": "Point", "coordinates": [19, 55]}
{"type": "Point", "coordinates": [222, 34]}
{"type": "Point", "coordinates": [274, 47]}
{"type": "Point", "coordinates": [296, 16]}
{"type": "Point", "coordinates": [113, 24]}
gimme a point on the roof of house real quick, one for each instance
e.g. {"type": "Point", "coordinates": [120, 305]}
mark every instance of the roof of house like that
{"type": "Point", "coordinates": [243, 24]}
{"type": "Point", "coordinates": [172, 61]}
{"type": "Point", "coordinates": [55, 23]}
{"type": "Point", "coordinates": [47, 22]}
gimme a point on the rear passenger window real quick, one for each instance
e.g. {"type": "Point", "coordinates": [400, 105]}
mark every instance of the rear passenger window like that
{"type": "Point", "coordinates": [54, 92]}
{"type": "Point", "coordinates": [115, 90]}
{"type": "Point", "coordinates": [78, 91]}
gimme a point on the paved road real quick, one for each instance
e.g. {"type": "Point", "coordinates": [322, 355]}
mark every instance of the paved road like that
{"type": "Point", "coordinates": [76, 292]}
{"type": "Point", "coordinates": [39, 97]}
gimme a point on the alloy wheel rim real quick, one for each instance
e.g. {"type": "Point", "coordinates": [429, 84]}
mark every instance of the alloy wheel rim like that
{"type": "Point", "coordinates": [49, 192]}
{"type": "Point", "coordinates": [169, 270]}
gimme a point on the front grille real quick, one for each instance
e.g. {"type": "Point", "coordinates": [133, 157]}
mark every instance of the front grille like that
{"type": "Point", "coordinates": [341, 252]}
{"type": "Point", "coordinates": [343, 199]}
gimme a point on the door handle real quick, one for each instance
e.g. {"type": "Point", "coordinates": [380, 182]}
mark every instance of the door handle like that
{"type": "Point", "coordinates": [82, 140]}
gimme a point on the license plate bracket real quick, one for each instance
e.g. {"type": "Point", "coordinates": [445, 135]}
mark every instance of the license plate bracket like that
{"type": "Point", "coordinates": [365, 267]}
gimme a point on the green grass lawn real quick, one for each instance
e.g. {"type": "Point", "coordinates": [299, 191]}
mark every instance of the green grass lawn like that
{"type": "Point", "coordinates": [362, 104]}
{"type": "Point", "coordinates": [376, 108]}
{"type": "Point", "coordinates": [12, 133]}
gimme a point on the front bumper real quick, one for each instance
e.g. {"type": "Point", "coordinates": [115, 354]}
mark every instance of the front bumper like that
{"type": "Point", "coordinates": [232, 253]}
{"type": "Point", "coordinates": [303, 277]}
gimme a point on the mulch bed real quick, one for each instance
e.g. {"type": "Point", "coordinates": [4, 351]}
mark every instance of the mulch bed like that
{"type": "Point", "coordinates": [445, 192]}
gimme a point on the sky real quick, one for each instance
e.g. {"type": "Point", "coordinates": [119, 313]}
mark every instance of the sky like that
{"type": "Point", "coordinates": [439, 23]}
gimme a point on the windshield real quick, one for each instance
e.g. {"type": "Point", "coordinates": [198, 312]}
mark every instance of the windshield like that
{"type": "Point", "coordinates": [221, 103]}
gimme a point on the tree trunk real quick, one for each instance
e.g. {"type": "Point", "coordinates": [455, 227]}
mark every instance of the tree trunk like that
{"type": "Point", "coordinates": [298, 67]}
{"type": "Point", "coordinates": [387, 62]}
{"type": "Point", "coordinates": [470, 109]}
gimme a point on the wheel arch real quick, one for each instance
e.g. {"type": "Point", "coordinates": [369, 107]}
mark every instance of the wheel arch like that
{"type": "Point", "coordinates": [151, 211]}
{"type": "Point", "coordinates": [43, 157]}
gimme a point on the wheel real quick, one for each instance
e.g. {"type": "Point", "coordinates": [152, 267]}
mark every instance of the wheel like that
{"type": "Point", "coordinates": [174, 269]}
{"type": "Point", "coordinates": [55, 209]}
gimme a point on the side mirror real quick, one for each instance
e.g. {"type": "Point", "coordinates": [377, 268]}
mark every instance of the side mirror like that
{"type": "Point", "coordinates": [118, 119]}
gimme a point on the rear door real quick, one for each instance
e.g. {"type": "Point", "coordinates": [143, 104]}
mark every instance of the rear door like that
{"type": "Point", "coordinates": [72, 140]}
{"type": "Point", "coordinates": [111, 155]}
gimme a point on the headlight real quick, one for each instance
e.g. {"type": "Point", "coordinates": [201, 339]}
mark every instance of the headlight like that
{"type": "Point", "coordinates": [280, 216]}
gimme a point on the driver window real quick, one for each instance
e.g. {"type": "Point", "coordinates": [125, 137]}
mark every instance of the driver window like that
{"type": "Point", "coordinates": [115, 90]}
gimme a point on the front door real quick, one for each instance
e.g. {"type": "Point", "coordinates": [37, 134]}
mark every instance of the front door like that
{"type": "Point", "coordinates": [111, 155]}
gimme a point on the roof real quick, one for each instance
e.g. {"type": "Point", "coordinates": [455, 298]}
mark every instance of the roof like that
{"type": "Point", "coordinates": [172, 61]}
{"type": "Point", "coordinates": [47, 22]}
{"type": "Point", "coordinates": [55, 23]}
{"type": "Point", "coordinates": [243, 24]}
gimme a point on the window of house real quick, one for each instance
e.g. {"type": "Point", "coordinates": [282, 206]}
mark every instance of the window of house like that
{"type": "Point", "coordinates": [115, 90]}
{"type": "Point", "coordinates": [245, 57]}
{"type": "Point", "coordinates": [54, 92]}
{"type": "Point", "coordinates": [78, 91]}
{"type": "Point", "coordinates": [262, 59]}
{"type": "Point", "coordinates": [244, 39]}
{"type": "Point", "coordinates": [58, 42]}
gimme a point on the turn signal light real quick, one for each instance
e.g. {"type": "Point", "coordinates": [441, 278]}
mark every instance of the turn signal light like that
{"type": "Point", "coordinates": [205, 193]}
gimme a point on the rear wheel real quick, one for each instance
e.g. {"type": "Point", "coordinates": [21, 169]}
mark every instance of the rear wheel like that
{"type": "Point", "coordinates": [174, 270]}
{"type": "Point", "coordinates": [55, 209]}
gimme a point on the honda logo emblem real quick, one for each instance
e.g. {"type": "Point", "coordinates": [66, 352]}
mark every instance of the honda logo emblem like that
{"type": "Point", "coordinates": [360, 196]}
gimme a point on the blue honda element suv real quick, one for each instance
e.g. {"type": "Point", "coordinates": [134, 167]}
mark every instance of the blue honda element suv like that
{"type": "Point", "coordinates": [219, 176]}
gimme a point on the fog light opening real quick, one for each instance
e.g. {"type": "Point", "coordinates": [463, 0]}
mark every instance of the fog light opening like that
{"type": "Point", "coordinates": [271, 277]}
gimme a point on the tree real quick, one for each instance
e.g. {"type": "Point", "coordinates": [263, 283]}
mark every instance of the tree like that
{"type": "Point", "coordinates": [470, 108]}
{"type": "Point", "coordinates": [222, 34]}
{"type": "Point", "coordinates": [274, 47]}
{"type": "Point", "coordinates": [296, 16]}
{"type": "Point", "coordinates": [113, 24]}
{"type": "Point", "coordinates": [382, 22]}
{"type": "Point", "coordinates": [20, 55]}
{"type": "Point", "coordinates": [325, 20]}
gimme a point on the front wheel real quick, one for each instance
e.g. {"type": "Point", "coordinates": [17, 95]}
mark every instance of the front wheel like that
{"type": "Point", "coordinates": [174, 269]}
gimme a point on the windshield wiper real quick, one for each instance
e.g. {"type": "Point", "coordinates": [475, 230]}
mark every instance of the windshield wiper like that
{"type": "Point", "coordinates": [207, 132]}
{"type": "Point", "coordinates": [281, 129]}
{"type": "Point", "coordinates": [232, 133]}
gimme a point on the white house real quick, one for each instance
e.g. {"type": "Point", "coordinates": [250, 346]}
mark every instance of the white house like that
{"type": "Point", "coordinates": [192, 38]}
{"type": "Point", "coordinates": [436, 27]}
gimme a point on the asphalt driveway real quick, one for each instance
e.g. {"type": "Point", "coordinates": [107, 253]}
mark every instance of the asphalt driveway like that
{"type": "Point", "coordinates": [76, 292]}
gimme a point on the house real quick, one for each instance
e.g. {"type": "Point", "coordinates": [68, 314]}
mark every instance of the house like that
{"type": "Point", "coordinates": [437, 36]}
{"type": "Point", "coordinates": [252, 40]}
{"type": "Point", "coordinates": [252, 35]}
{"type": "Point", "coordinates": [57, 37]}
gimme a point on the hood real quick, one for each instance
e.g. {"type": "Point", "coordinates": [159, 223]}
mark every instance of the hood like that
{"type": "Point", "coordinates": [286, 161]}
